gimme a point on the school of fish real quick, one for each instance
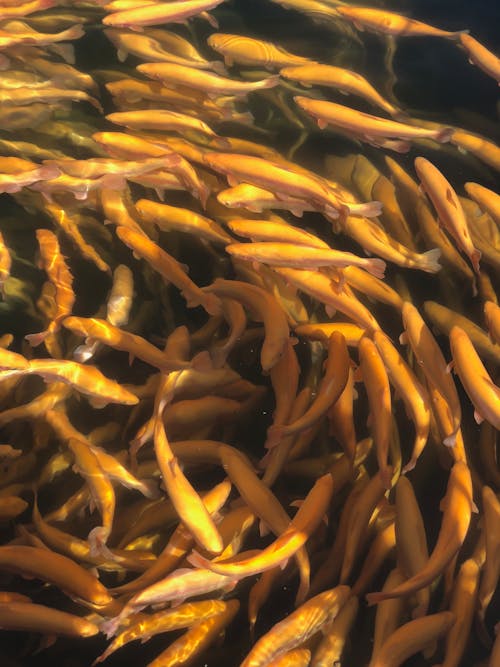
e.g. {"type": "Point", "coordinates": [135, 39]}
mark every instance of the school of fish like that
{"type": "Point", "coordinates": [249, 343]}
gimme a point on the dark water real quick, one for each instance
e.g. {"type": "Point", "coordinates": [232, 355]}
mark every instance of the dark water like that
{"type": "Point", "coordinates": [433, 81]}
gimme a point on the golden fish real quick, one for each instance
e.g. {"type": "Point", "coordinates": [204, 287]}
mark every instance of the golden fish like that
{"type": "Point", "coordinates": [155, 14]}
{"type": "Point", "coordinates": [174, 218]}
{"type": "Point", "coordinates": [479, 55]}
{"type": "Point", "coordinates": [301, 528]}
{"type": "Point", "coordinates": [411, 638]}
{"type": "Point", "coordinates": [288, 254]}
{"type": "Point", "coordinates": [297, 627]}
{"type": "Point", "coordinates": [457, 507]}
{"type": "Point", "coordinates": [448, 207]}
{"type": "Point", "coordinates": [85, 379]}
{"type": "Point", "coordinates": [211, 84]}
{"type": "Point", "coordinates": [366, 127]}
{"type": "Point", "coordinates": [169, 268]}
{"type": "Point", "coordinates": [482, 391]}
{"type": "Point", "coordinates": [56, 569]}
{"type": "Point", "coordinates": [343, 79]}
{"type": "Point", "coordinates": [39, 618]}
{"type": "Point", "coordinates": [389, 23]}
{"type": "Point", "coordinates": [249, 51]}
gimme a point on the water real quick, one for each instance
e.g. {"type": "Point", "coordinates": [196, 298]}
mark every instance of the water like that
{"type": "Point", "coordinates": [432, 81]}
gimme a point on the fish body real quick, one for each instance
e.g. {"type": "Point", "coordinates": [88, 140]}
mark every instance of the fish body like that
{"type": "Point", "coordinates": [287, 254]}
{"type": "Point", "coordinates": [365, 126]}
{"type": "Point", "coordinates": [448, 207]}
{"type": "Point", "coordinates": [389, 23]}
{"type": "Point", "coordinates": [479, 55]}
{"type": "Point", "coordinates": [297, 627]}
{"type": "Point", "coordinates": [158, 13]}
{"type": "Point", "coordinates": [428, 354]}
{"type": "Point", "coordinates": [342, 79]}
{"type": "Point", "coordinates": [249, 51]}
{"type": "Point", "coordinates": [482, 391]}
{"type": "Point", "coordinates": [457, 510]}
{"type": "Point", "coordinates": [275, 177]}
{"type": "Point", "coordinates": [488, 200]}
{"type": "Point", "coordinates": [169, 268]}
{"type": "Point", "coordinates": [377, 386]}
{"type": "Point", "coordinates": [212, 84]}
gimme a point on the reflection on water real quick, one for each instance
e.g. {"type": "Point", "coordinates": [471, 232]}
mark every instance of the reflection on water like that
{"type": "Point", "coordinates": [432, 82]}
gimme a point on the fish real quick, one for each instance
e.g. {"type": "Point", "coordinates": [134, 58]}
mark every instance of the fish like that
{"type": "Point", "coordinates": [157, 14]}
{"type": "Point", "coordinates": [264, 306]}
{"type": "Point", "coordinates": [430, 358]}
{"type": "Point", "coordinates": [457, 506]}
{"type": "Point", "coordinates": [15, 173]}
{"type": "Point", "coordinates": [249, 51]}
{"type": "Point", "coordinates": [378, 390]}
{"type": "Point", "coordinates": [364, 126]}
{"type": "Point", "coordinates": [358, 518]}
{"type": "Point", "coordinates": [332, 385]}
{"type": "Point", "coordinates": [169, 218]}
{"type": "Point", "coordinates": [96, 329]}
{"type": "Point", "coordinates": [492, 317]}
{"type": "Point", "coordinates": [57, 569]}
{"type": "Point", "coordinates": [5, 264]}
{"type": "Point", "coordinates": [411, 638]}
{"type": "Point", "coordinates": [324, 289]}
{"type": "Point", "coordinates": [390, 23]}
{"type": "Point", "coordinates": [480, 388]}
{"type": "Point", "coordinates": [448, 207]}
{"type": "Point", "coordinates": [158, 46]}
{"type": "Point", "coordinates": [279, 232]}
{"type": "Point", "coordinates": [14, 33]}
{"type": "Point", "coordinates": [269, 175]}
{"type": "Point", "coordinates": [344, 80]}
{"type": "Point", "coordinates": [30, 617]}
{"type": "Point", "coordinates": [166, 620]}
{"type": "Point", "coordinates": [488, 200]}
{"type": "Point", "coordinates": [60, 277]}
{"type": "Point", "coordinates": [479, 55]}
{"type": "Point", "coordinates": [301, 528]}
{"type": "Point", "coordinates": [297, 627]}
{"type": "Point", "coordinates": [164, 119]}
{"type": "Point", "coordinates": [85, 379]}
{"type": "Point", "coordinates": [411, 392]}
{"type": "Point", "coordinates": [288, 254]}
{"type": "Point", "coordinates": [211, 84]}
{"type": "Point", "coordinates": [176, 587]}
{"type": "Point", "coordinates": [169, 268]}
{"type": "Point", "coordinates": [484, 149]}
{"type": "Point", "coordinates": [200, 635]}
{"type": "Point", "coordinates": [411, 541]}
{"type": "Point", "coordinates": [463, 605]}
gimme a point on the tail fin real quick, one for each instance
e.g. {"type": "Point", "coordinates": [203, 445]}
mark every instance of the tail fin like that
{"type": "Point", "coordinates": [444, 135]}
{"type": "Point", "coordinates": [430, 262]}
{"type": "Point", "coordinates": [376, 267]}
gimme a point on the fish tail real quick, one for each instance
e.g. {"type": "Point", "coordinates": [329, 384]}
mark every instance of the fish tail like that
{"type": "Point", "coordinates": [109, 628]}
{"type": "Point", "coordinates": [375, 598]}
{"type": "Point", "coordinates": [218, 67]}
{"type": "Point", "coordinates": [444, 135]}
{"type": "Point", "coordinates": [197, 560]}
{"type": "Point", "coordinates": [376, 267]}
{"type": "Point", "coordinates": [36, 339]}
{"type": "Point", "coordinates": [270, 82]}
{"type": "Point", "coordinates": [202, 361]}
{"type": "Point", "coordinates": [474, 258]}
{"type": "Point", "coordinates": [97, 541]}
{"type": "Point", "coordinates": [274, 436]}
{"type": "Point", "coordinates": [457, 34]}
{"type": "Point", "coordinates": [430, 262]}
